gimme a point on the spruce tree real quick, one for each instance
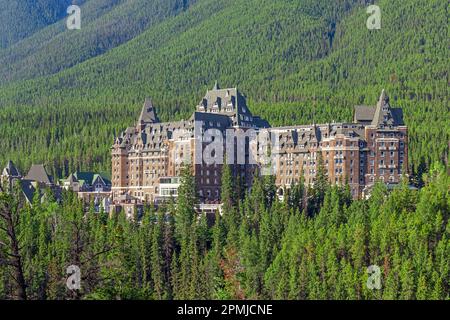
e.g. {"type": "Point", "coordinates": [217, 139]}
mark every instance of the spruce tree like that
{"type": "Point", "coordinates": [186, 203]}
{"type": "Point", "coordinates": [157, 273]}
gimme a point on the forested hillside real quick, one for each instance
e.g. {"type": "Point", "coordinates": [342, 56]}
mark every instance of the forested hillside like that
{"type": "Point", "coordinates": [297, 62]}
{"type": "Point", "coordinates": [260, 248]}
{"type": "Point", "coordinates": [105, 24]}
{"type": "Point", "coordinates": [21, 18]}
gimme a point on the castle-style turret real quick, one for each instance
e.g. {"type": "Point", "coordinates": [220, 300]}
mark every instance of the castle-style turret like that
{"type": "Point", "coordinates": [380, 115]}
{"type": "Point", "coordinates": [9, 175]}
{"type": "Point", "coordinates": [383, 114]}
{"type": "Point", "coordinates": [229, 102]}
{"type": "Point", "coordinates": [11, 171]}
{"type": "Point", "coordinates": [148, 114]}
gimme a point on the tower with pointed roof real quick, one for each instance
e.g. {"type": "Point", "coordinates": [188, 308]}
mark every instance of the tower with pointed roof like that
{"type": "Point", "coordinates": [148, 114]}
{"type": "Point", "coordinates": [383, 115]}
{"type": "Point", "coordinates": [10, 174]}
{"type": "Point", "coordinates": [10, 170]}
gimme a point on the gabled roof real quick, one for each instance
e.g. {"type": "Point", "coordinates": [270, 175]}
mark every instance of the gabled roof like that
{"type": "Point", "coordinates": [382, 112]}
{"type": "Point", "coordinates": [31, 188]}
{"type": "Point", "coordinates": [99, 178]}
{"type": "Point", "coordinates": [72, 179]}
{"type": "Point", "coordinates": [397, 114]}
{"type": "Point", "coordinates": [37, 173]}
{"type": "Point", "coordinates": [261, 123]}
{"type": "Point", "coordinates": [90, 177]}
{"type": "Point", "coordinates": [219, 100]}
{"type": "Point", "coordinates": [11, 170]}
{"type": "Point", "coordinates": [229, 102]}
{"type": "Point", "coordinates": [28, 189]}
{"type": "Point", "coordinates": [148, 113]}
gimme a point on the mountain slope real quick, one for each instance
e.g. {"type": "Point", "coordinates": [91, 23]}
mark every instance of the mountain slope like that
{"type": "Point", "coordinates": [297, 62]}
{"type": "Point", "coordinates": [105, 24]}
{"type": "Point", "coordinates": [21, 18]}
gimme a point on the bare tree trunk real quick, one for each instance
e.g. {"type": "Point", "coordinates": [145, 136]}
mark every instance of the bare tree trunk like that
{"type": "Point", "coordinates": [10, 215]}
{"type": "Point", "coordinates": [16, 261]}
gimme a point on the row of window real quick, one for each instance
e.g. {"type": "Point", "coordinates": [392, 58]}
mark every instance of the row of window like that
{"type": "Point", "coordinates": [381, 171]}
{"type": "Point", "coordinates": [390, 179]}
{"type": "Point", "coordinates": [208, 181]}
{"type": "Point", "coordinates": [208, 172]}
{"type": "Point", "coordinates": [208, 193]}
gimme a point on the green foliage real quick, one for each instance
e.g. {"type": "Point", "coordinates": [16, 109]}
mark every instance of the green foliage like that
{"type": "Point", "coordinates": [280, 253]}
{"type": "Point", "coordinates": [20, 19]}
{"type": "Point", "coordinates": [105, 24]}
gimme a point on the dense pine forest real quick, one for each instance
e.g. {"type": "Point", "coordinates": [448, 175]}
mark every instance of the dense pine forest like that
{"type": "Point", "coordinates": [260, 248]}
{"type": "Point", "coordinates": [20, 19]}
{"type": "Point", "coordinates": [64, 94]}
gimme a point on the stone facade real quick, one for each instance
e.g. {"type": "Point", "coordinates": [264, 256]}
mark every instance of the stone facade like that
{"type": "Point", "coordinates": [147, 159]}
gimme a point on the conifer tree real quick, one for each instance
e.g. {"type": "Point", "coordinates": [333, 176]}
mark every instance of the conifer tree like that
{"type": "Point", "coordinates": [175, 277]}
{"type": "Point", "coordinates": [186, 202]}
{"type": "Point", "coordinates": [320, 187]}
{"type": "Point", "coordinates": [10, 206]}
{"type": "Point", "coordinates": [157, 273]}
{"type": "Point", "coordinates": [168, 250]}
